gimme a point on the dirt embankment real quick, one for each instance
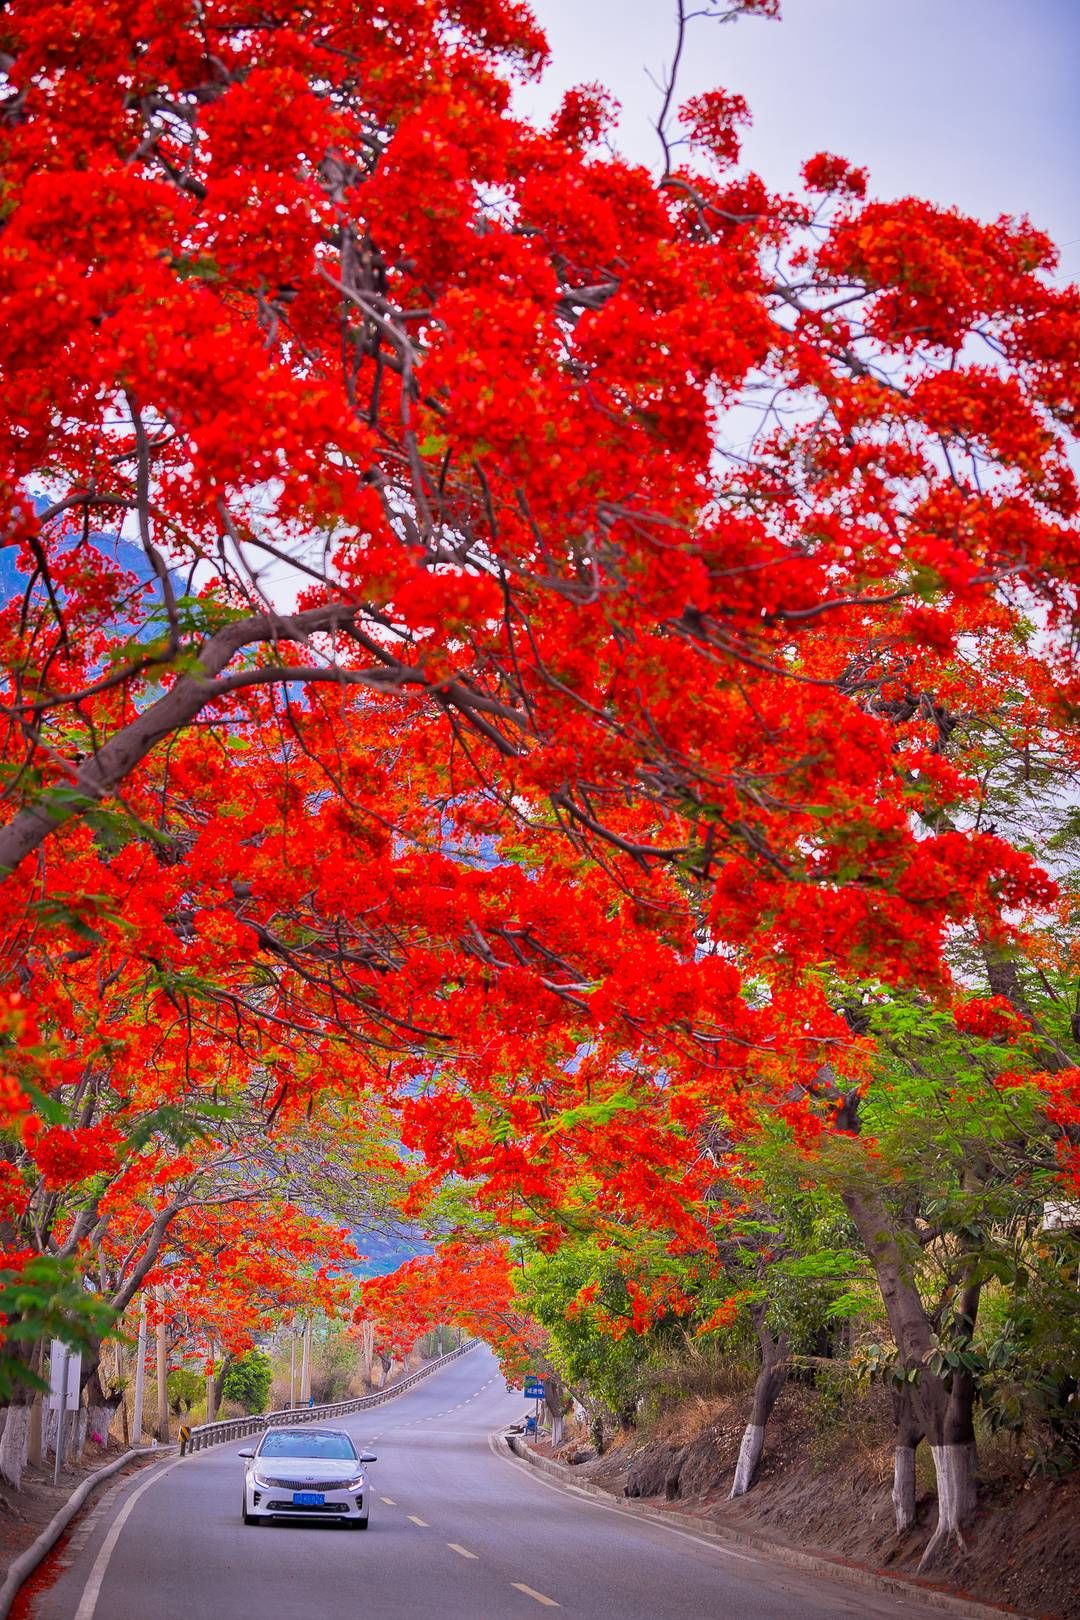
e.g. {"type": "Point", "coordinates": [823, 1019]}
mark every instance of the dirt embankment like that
{"type": "Point", "coordinates": [824, 1484]}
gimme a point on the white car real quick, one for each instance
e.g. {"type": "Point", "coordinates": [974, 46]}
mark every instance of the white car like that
{"type": "Point", "coordinates": [306, 1474]}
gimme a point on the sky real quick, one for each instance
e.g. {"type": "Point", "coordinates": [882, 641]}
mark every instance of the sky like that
{"type": "Point", "coordinates": [967, 102]}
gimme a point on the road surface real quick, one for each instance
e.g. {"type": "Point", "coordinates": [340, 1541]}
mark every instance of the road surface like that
{"type": "Point", "coordinates": [457, 1533]}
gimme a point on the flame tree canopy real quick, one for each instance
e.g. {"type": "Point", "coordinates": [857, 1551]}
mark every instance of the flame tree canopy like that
{"type": "Point", "coordinates": [575, 602]}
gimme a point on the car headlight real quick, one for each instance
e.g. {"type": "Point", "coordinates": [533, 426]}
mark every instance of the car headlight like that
{"type": "Point", "coordinates": [356, 1484]}
{"type": "Point", "coordinates": [259, 1484]}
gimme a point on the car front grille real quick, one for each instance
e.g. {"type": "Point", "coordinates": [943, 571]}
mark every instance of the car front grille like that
{"type": "Point", "coordinates": [308, 1484]}
{"type": "Point", "coordinates": [307, 1507]}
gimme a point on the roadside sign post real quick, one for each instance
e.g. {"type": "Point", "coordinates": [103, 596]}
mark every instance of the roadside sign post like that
{"type": "Point", "coordinates": [61, 1409]}
{"type": "Point", "coordinates": [65, 1377]}
{"type": "Point", "coordinates": [534, 1391]}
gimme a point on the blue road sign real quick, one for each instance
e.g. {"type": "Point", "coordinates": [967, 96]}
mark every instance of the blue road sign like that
{"type": "Point", "coordinates": [534, 1389]}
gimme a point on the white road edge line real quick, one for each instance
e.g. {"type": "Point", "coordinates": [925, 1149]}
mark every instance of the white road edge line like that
{"type": "Point", "coordinates": [92, 1590]}
{"type": "Point", "coordinates": [455, 1546]}
{"type": "Point", "coordinates": [549, 1603]}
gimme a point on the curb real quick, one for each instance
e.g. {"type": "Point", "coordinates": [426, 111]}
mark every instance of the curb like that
{"type": "Point", "coordinates": [837, 1569]}
{"type": "Point", "coordinates": [27, 1561]}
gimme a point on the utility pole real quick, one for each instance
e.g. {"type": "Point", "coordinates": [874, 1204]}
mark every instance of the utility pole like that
{"type": "Point", "coordinates": [305, 1365]}
{"type": "Point", "coordinates": [140, 1377]}
{"type": "Point", "coordinates": [34, 1453]}
{"type": "Point", "coordinates": [292, 1362]}
{"type": "Point", "coordinates": [162, 1374]}
{"type": "Point", "coordinates": [120, 1386]}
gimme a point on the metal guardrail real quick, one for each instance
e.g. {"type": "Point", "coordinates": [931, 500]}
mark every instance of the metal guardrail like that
{"type": "Point", "coordinates": [214, 1434]}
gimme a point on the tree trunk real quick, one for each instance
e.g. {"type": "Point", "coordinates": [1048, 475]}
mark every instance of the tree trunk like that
{"type": "Point", "coordinates": [770, 1381]}
{"type": "Point", "coordinates": [14, 1441]}
{"type": "Point", "coordinates": [955, 1465]}
{"type": "Point", "coordinates": [221, 1375]}
{"type": "Point", "coordinates": [555, 1401]}
{"type": "Point", "coordinates": [101, 1406]}
{"type": "Point", "coordinates": [908, 1435]}
{"type": "Point", "coordinates": [15, 1431]}
{"type": "Point", "coordinates": [943, 1411]}
{"type": "Point", "coordinates": [79, 1431]}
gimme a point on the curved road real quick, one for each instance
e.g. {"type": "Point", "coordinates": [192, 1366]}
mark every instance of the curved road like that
{"type": "Point", "coordinates": [457, 1533]}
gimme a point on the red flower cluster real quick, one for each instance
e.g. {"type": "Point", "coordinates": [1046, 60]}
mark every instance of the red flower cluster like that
{"type": "Point", "coordinates": [66, 1156]}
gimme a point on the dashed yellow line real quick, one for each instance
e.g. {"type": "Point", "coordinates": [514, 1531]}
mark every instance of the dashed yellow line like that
{"type": "Point", "coordinates": [414, 1520]}
{"type": "Point", "coordinates": [549, 1603]}
{"type": "Point", "coordinates": [464, 1551]}
{"type": "Point", "coordinates": [389, 1500]}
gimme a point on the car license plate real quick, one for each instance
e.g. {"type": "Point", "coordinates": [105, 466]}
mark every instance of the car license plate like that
{"type": "Point", "coordinates": [308, 1498]}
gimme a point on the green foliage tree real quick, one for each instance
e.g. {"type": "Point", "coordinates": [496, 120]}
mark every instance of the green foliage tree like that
{"type": "Point", "coordinates": [184, 1388]}
{"type": "Point", "coordinates": [247, 1381]}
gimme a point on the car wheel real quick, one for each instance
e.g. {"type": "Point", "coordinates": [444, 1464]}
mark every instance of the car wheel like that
{"type": "Point", "coordinates": [248, 1518]}
{"type": "Point", "coordinates": [360, 1524]}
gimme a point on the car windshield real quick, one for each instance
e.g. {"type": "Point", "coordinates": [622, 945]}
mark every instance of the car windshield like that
{"type": "Point", "coordinates": [327, 1447]}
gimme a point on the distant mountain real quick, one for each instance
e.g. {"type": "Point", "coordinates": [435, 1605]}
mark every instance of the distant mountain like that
{"type": "Point", "coordinates": [124, 552]}
{"type": "Point", "coordinates": [385, 1252]}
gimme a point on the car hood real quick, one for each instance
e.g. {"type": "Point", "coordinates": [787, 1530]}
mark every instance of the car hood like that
{"type": "Point", "coordinates": [306, 1470]}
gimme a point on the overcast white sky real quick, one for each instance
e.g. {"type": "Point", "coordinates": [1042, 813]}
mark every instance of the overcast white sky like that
{"type": "Point", "coordinates": [972, 102]}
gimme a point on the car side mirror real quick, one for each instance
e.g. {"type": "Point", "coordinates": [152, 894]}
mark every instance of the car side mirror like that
{"type": "Point", "coordinates": [368, 1456]}
{"type": "Point", "coordinates": [245, 1454]}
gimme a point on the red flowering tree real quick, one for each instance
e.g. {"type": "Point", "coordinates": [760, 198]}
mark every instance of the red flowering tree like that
{"type": "Point", "coordinates": [481, 731]}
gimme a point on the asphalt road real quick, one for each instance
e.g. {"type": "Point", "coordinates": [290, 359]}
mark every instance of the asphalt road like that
{"type": "Point", "coordinates": [457, 1533]}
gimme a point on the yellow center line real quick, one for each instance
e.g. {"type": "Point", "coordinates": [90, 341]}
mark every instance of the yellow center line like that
{"type": "Point", "coordinates": [414, 1520]}
{"type": "Point", "coordinates": [389, 1500]}
{"type": "Point", "coordinates": [549, 1603]}
{"type": "Point", "coordinates": [464, 1551]}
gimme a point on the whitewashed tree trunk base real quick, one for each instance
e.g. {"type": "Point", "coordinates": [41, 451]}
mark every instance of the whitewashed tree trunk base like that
{"type": "Point", "coordinates": [750, 1449]}
{"type": "Point", "coordinates": [13, 1444]}
{"type": "Point", "coordinates": [903, 1491]}
{"type": "Point", "coordinates": [99, 1420]}
{"type": "Point", "coordinates": [955, 1470]}
{"type": "Point", "coordinates": [79, 1431]}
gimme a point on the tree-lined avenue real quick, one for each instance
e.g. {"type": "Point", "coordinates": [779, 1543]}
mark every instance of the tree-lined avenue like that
{"type": "Point", "coordinates": [455, 1532]}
